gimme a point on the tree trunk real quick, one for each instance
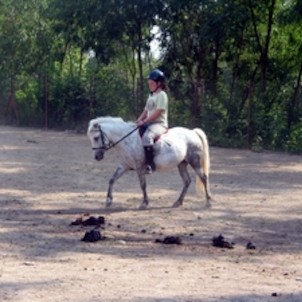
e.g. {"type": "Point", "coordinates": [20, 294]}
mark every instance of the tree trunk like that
{"type": "Point", "coordinates": [141, 99]}
{"type": "Point", "coordinates": [248, 101]}
{"type": "Point", "coordinates": [293, 103]}
{"type": "Point", "coordinates": [235, 68]}
{"type": "Point", "coordinates": [11, 108]}
{"type": "Point", "coordinates": [215, 67]}
{"type": "Point", "coordinates": [264, 50]}
{"type": "Point", "coordinates": [264, 55]}
{"type": "Point", "coordinates": [46, 94]}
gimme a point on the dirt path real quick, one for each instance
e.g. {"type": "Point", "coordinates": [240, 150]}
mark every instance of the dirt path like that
{"type": "Point", "coordinates": [49, 179]}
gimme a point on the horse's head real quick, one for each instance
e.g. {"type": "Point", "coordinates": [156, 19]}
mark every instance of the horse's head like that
{"type": "Point", "coordinates": [98, 139]}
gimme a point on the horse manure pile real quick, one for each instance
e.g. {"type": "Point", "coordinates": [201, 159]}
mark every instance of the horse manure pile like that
{"type": "Point", "coordinates": [99, 222]}
{"type": "Point", "coordinates": [92, 235]}
{"type": "Point", "coordinates": [91, 221]}
{"type": "Point", "coordinates": [169, 240]}
{"type": "Point", "coordinates": [220, 242]}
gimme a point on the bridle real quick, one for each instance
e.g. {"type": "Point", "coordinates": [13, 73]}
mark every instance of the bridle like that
{"type": "Point", "coordinates": [110, 145]}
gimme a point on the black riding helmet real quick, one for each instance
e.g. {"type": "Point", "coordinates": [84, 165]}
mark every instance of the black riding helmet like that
{"type": "Point", "coordinates": [157, 76]}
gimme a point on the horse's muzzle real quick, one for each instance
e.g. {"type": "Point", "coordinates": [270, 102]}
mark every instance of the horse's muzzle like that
{"type": "Point", "coordinates": [98, 155]}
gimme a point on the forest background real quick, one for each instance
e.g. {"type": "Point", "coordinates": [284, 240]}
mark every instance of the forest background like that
{"type": "Point", "coordinates": [233, 66]}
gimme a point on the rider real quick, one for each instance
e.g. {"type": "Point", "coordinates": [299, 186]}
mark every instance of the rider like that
{"type": "Point", "coordinates": [155, 115]}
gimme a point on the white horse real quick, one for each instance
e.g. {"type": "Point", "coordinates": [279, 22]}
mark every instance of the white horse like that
{"type": "Point", "coordinates": [178, 147]}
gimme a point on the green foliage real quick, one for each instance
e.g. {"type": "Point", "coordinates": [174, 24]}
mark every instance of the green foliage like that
{"type": "Point", "coordinates": [112, 94]}
{"type": "Point", "coordinates": [28, 102]}
{"type": "Point", "coordinates": [294, 141]}
{"type": "Point", "coordinates": [67, 102]}
{"type": "Point", "coordinates": [234, 67]}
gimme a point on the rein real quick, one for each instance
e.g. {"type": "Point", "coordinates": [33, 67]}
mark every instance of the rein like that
{"type": "Point", "coordinates": [111, 145]}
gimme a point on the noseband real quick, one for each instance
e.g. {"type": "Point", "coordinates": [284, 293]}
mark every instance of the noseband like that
{"type": "Point", "coordinates": [110, 145]}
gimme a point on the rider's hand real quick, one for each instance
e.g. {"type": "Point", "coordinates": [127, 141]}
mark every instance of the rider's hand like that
{"type": "Point", "coordinates": [140, 123]}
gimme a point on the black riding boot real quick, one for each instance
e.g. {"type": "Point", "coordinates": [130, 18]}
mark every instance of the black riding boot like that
{"type": "Point", "coordinates": [150, 166]}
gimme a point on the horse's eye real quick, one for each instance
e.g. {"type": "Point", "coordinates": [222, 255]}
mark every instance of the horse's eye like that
{"type": "Point", "coordinates": [96, 139]}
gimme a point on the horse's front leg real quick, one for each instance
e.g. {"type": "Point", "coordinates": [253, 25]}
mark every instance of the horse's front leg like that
{"type": "Point", "coordinates": [186, 179]}
{"type": "Point", "coordinates": [142, 181]}
{"type": "Point", "coordinates": [120, 170]}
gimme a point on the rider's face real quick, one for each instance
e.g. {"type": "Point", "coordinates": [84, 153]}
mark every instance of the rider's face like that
{"type": "Point", "coordinates": [152, 85]}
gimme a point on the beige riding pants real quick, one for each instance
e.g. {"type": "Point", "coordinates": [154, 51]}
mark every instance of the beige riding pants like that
{"type": "Point", "coordinates": [153, 131]}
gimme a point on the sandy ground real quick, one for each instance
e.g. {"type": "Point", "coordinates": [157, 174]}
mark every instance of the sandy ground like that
{"type": "Point", "coordinates": [49, 179]}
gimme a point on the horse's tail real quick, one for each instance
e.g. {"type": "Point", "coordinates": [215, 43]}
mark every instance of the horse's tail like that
{"type": "Point", "coordinates": [204, 160]}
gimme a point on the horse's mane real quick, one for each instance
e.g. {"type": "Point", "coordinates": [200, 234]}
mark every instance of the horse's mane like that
{"type": "Point", "coordinates": [117, 121]}
{"type": "Point", "coordinates": [109, 119]}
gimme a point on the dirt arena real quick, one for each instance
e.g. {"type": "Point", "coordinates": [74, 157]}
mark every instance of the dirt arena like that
{"type": "Point", "coordinates": [49, 179]}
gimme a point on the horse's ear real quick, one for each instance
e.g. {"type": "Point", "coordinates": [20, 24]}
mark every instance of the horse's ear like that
{"type": "Point", "coordinates": [92, 126]}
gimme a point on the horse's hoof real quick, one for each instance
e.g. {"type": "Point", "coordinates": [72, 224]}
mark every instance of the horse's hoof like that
{"type": "Point", "coordinates": [143, 206]}
{"type": "Point", "coordinates": [177, 204]}
{"type": "Point", "coordinates": [208, 202]}
{"type": "Point", "coordinates": [108, 203]}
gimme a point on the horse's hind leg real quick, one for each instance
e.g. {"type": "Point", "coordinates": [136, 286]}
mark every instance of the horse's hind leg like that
{"type": "Point", "coordinates": [185, 176]}
{"type": "Point", "coordinates": [205, 181]}
{"type": "Point", "coordinates": [116, 175]}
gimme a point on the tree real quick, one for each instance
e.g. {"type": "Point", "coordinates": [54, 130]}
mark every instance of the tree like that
{"type": "Point", "coordinates": [21, 37]}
